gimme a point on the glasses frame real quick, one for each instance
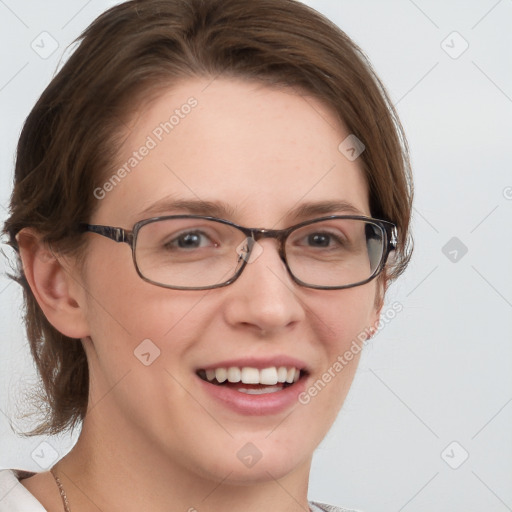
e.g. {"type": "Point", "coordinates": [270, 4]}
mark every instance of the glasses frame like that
{"type": "Point", "coordinates": [130, 237]}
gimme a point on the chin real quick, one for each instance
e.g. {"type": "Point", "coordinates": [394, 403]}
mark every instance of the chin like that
{"type": "Point", "coordinates": [269, 468]}
{"type": "Point", "coordinates": [258, 459]}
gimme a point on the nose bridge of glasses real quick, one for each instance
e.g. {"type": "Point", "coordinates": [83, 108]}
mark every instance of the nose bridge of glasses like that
{"type": "Point", "coordinates": [258, 234]}
{"type": "Point", "coordinates": [278, 234]}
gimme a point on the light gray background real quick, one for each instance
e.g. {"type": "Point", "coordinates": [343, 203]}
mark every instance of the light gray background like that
{"type": "Point", "coordinates": [441, 370]}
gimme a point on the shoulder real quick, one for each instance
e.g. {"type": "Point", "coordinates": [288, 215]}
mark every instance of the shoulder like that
{"type": "Point", "coordinates": [323, 507]}
{"type": "Point", "coordinates": [14, 497]}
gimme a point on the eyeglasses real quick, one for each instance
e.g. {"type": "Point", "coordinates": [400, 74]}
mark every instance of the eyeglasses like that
{"type": "Point", "coordinates": [194, 252]}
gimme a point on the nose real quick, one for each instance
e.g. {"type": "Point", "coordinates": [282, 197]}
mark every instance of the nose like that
{"type": "Point", "coordinates": [264, 298]}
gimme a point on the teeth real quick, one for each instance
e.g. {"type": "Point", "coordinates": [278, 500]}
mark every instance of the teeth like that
{"type": "Point", "coordinates": [282, 372]}
{"type": "Point", "coordinates": [268, 376]}
{"type": "Point", "coordinates": [220, 374]}
{"type": "Point", "coordinates": [234, 374]}
{"type": "Point", "coordinates": [247, 375]}
{"type": "Point", "coordinates": [250, 375]}
{"type": "Point", "coordinates": [261, 391]}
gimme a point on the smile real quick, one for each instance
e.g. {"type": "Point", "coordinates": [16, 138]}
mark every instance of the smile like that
{"type": "Point", "coordinates": [252, 381]}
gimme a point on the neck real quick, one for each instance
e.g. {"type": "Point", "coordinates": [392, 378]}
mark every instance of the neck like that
{"type": "Point", "coordinates": [116, 469]}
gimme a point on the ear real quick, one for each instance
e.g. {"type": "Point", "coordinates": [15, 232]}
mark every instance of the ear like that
{"type": "Point", "coordinates": [380, 292]}
{"type": "Point", "coordinates": [382, 284]}
{"type": "Point", "coordinates": [57, 291]}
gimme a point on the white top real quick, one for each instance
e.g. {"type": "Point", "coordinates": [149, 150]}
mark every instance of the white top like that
{"type": "Point", "coordinates": [14, 497]}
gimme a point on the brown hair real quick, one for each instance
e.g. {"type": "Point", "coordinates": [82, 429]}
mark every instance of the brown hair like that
{"type": "Point", "coordinates": [71, 137]}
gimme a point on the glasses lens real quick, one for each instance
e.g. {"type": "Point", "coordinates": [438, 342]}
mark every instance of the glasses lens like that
{"type": "Point", "coordinates": [335, 252]}
{"type": "Point", "coordinates": [202, 253]}
{"type": "Point", "coordinates": [189, 252]}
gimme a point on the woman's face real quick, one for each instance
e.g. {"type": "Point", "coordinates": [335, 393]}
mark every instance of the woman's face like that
{"type": "Point", "coordinates": [259, 155]}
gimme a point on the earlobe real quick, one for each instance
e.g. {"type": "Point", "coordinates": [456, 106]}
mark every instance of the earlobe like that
{"type": "Point", "coordinates": [52, 284]}
{"type": "Point", "coordinates": [380, 293]}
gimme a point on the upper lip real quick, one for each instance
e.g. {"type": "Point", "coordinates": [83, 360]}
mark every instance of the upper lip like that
{"type": "Point", "coordinates": [260, 363]}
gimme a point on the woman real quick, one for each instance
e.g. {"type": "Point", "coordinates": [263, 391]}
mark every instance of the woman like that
{"type": "Point", "coordinates": [210, 200]}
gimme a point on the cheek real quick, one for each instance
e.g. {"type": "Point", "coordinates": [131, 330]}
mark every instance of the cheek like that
{"type": "Point", "coordinates": [341, 324]}
{"type": "Point", "coordinates": [345, 315]}
{"type": "Point", "coordinates": [120, 300]}
{"type": "Point", "coordinates": [123, 311]}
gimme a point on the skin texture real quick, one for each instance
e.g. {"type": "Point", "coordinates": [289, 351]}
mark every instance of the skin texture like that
{"type": "Point", "coordinates": [263, 152]}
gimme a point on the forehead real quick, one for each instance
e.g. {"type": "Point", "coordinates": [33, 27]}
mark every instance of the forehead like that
{"type": "Point", "coordinates": [261, 151]}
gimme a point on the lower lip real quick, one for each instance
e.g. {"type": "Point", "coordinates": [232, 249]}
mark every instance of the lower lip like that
{"type": "Point", "coordinates": [256, 405]}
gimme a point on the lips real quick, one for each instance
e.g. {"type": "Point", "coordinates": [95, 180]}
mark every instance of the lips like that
{"type": "Point", "coordinates": [252, 386]}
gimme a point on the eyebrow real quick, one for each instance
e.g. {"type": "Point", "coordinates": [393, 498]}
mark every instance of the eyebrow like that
{"type": "Point", "coordinates": [223, 210]}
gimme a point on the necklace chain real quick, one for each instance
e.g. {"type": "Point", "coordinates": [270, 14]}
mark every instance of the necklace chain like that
{"type": "Point", "coordinates": [61, 490]}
